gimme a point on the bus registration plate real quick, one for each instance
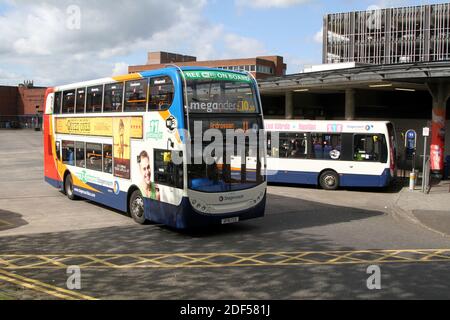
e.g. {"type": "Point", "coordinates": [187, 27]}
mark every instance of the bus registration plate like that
{"type": "Point", "coordinates": [230, 220]}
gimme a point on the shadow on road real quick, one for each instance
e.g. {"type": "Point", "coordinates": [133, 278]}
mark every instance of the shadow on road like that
{"type": "Point", "coordinates": [10, 220]}
{"type": "Point", "coordinates": [281, 229]}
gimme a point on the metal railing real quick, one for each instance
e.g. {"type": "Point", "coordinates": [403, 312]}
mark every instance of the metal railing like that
{"type": "Point", "coordinates": [426, 185]}
{"type": "Point", "coordinates": [21, 122]}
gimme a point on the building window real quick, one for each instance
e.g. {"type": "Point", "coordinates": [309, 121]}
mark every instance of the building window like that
{"type": "Point", "coordinates": [81, 100]}
{"type": "Point", "coordinates": [68, 153]}
{"type": "Point", "coordinates": [162, 92]}
{"type": "Point", "coordinates": [136, 96]}
{"type": "Point", "coordinates": [113, 97]}
{"type": "Point", "coordinates": [94, 156]}
{"type": "Point", "coordinates": [264, 69]}
{"type": "Point", "coordinates": [94, 99]}
{"type": "Point", "coordinates": [80, 154]}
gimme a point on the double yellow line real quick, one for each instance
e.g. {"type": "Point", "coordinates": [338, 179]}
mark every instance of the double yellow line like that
{"type": "Point", "coordinates": [42, 287]}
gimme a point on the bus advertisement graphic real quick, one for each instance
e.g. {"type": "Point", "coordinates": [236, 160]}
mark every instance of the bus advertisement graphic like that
{"type": "Point", "coordinates": [121, 130]}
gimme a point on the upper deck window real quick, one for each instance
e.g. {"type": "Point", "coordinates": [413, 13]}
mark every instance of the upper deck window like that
{"type": "Point", "coordinates": [136, 96]}
{"type": "Point", "coordinates": [94, 99]}
{"type": "Point", "coordinates": [113, 97]}
{"type": "Point", "coordinates": [162, 92]}
{"type": "Point", "coordinates": [68, 106]}
{"type": "Point", "coordinates": [57, 103]}
{"type": "Point", "coordinates": [81, 97]}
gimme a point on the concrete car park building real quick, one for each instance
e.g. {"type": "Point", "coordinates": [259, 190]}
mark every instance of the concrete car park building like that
{"type": "Point", "coordinates": [387, 36]}
{"type": "Point", "coordinates": [387, 64]}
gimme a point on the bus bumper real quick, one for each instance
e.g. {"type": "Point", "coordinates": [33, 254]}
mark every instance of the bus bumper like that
{"type": "Point", "coordinates": [186, 217]}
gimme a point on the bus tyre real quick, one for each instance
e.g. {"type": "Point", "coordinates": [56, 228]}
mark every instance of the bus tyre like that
{"type": "Point", "coordinates": [329, 180]}
{"type": "Point", "coordinates": [137, 207]}
{"type": "Point", "coordinates": [68, 187]}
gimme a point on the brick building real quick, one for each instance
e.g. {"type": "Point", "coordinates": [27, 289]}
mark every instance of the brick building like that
{"type": "Point", "coordinates": [260, 67]}
{"type": "Point", "coordinates": [20, 105]}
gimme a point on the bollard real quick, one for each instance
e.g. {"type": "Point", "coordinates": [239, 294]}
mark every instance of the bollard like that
{"type": "Point", "coordinates": [412, 181]}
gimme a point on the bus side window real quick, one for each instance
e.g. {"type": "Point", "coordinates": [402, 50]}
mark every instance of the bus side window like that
{"type": "Point", "coordinates": [94, 99]}
{"type": "Point", "coordinates": [68, 153]}
{"type": "Point", "coordinates": [269, 144]}
{"type": "Point", "coordinates": [107, 158]}
{"type": "Point", "coordinates": [136, 96]}
{"type": "Point", "coordinates": [113, 97]}
{"type": "Point", "coordinates": [94, 156]}
{"type": "Point", "coordinates": [68, 106]}
{"type": "Point", "coordinates": [81, 99]}
{"type": "Point", "coordinates": [369, 148]}
{"type": "Point", "coordinates": [80, 154]}
{"type": "Point", "coordinates": [58, 150]}
{"type": "Point", "coordinates": [162, 93]}
{"type": "Point", "coordinates": [166, 172]}
{"type": "Point", "coordinates": [57, 103]}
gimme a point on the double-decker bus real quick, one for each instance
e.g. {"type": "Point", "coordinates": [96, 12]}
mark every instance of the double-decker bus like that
{"type": "Point", "coordinates": [331, 154]}
{"type": "Point", "coordinates": [129, 142]}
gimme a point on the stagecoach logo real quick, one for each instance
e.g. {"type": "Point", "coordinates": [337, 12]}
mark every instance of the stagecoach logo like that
{"type": "Point", "coordinates": [171, 123]}
{"type": "Point", "coordinates": [369, 127]}
{"type": "Point", "coordinates": [335, 154]}
{"type": "Point", "coordinates": [231, 198]}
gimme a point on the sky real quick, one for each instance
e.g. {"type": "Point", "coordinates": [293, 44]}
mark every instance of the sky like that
{"type": "Point", "coordinates": [56, 42]}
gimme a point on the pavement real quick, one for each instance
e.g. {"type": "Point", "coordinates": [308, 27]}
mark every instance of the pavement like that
{"type": "Point", "coordinates": [432, 210]}
{"type": "Point", "coordinates": [312, 244]}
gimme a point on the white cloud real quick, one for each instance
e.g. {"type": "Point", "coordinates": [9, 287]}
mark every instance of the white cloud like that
{"type": "Point", "coordinates": [120, 68]}
{"type": "Point", "coordinates": [318, 37]}
{"type": "Point", "coordinates": [36, 39]}
{"type": "Point", "coordinates": [265, 4]}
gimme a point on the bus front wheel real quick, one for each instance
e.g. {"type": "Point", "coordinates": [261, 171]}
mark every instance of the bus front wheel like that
{"type": "Point", "coordinates": [68, 187]}
{"type": "Point", "coordinates": [329, 180]}
{"type": "Point", "coordinates": [137, 207]}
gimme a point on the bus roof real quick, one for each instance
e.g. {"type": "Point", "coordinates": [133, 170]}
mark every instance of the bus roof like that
{"type": "Point", "coordinates": [138, 76]}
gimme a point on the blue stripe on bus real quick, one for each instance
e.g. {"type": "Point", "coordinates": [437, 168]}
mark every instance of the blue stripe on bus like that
{"type": "Point", "coordinates": [180, 217]}
{"type": "Point", "coordinates": [362, 180]}
{"type": "Point", "coordinates": [54, 183]}
{"type": "Point", "coordinates": [346, 180]}
{"type": "Point", "coordinates": [293, 177]}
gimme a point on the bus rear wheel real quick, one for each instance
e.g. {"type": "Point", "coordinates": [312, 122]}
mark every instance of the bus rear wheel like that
{"type": "Point", "coordinates": [329, 180]}
{"type": "Point", "coordinates": [136, 206]}
{"type": "Point", "coordinates": [68, 187]}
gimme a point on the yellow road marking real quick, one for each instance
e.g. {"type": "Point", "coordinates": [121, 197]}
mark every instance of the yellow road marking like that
{"type": "Point", "coordinates": [42, 287]}
{"type": "Point", "coordinates": [214, 260]}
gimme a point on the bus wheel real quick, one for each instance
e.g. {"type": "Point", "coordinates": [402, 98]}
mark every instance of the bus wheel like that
{"type": "Point", "coordinates": [68, 187]}
{"type": "Point", "coordinates": [329, 180]}
{"type": "Point", "coordinates": [137, 207]}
